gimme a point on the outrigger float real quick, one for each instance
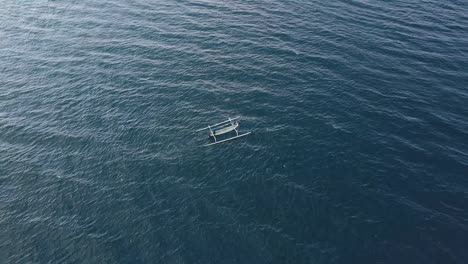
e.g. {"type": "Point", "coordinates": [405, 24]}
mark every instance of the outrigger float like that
{"type": "Point", "coordinates": [222, 128]}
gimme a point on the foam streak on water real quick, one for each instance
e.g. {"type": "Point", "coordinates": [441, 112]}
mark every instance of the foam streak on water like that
{"type": "Point", "coordinates": [359, 152]}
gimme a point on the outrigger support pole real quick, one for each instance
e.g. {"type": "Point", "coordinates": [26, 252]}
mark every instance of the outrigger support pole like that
{"type": "Point", "coordinates": [212, 133]}
{"type": "Point", "coordinates": [230, 119]}
{"type": "Point", "coordinates": [232, 124]}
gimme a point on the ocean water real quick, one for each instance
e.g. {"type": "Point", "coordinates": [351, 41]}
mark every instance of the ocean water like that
{"type": "Point", "coordinates": [358, 108]}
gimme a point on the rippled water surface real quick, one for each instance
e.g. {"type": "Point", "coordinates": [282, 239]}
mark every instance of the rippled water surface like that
{"type": "Point", "coordinates": [359, 113]}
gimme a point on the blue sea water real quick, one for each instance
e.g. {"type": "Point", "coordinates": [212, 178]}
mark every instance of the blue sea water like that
{"type": "Point", "coordinates": [359, 113]}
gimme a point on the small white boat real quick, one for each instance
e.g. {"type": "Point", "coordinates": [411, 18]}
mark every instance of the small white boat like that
{"type": "Point", "coordinates": [222, 128]}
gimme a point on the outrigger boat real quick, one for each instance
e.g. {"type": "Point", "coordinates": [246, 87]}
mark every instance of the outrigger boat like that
{"type": "Point", "coordinates": [222, 128]}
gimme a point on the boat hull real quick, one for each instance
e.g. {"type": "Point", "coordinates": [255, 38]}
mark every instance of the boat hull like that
{"type": "Point", "coordinates": [221, 141]}
{"type": "Point", "coordinates": [224, 130]}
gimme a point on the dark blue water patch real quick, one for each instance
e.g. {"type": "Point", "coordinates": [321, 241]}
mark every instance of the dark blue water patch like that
{"type": "Point", "coordinates": [357, 112]}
